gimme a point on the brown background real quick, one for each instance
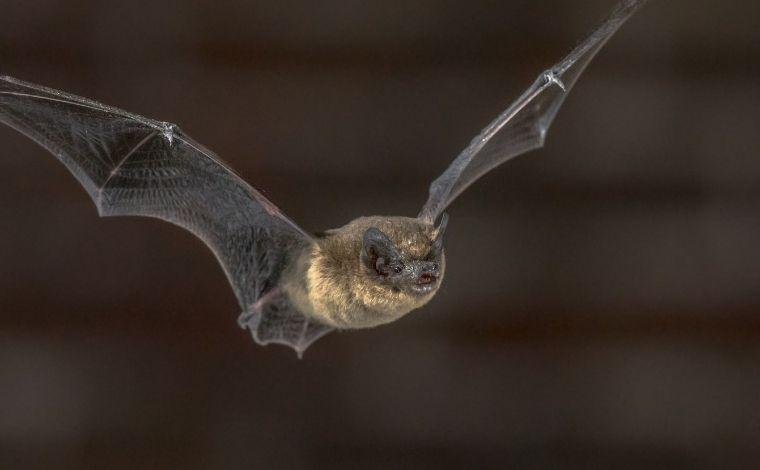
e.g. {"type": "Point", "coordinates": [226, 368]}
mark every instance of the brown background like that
{"type": "Point", "coordinates": [602, 305]}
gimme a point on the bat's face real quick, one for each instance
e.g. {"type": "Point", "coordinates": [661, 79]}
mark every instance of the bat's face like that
{"type": "Point", "coordinates": [371, 271]}
{"type": "Point", "coordinates": [402, 272]}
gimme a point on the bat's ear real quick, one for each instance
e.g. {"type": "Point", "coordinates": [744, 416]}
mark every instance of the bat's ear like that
{"type": "Point", "coordinates": [437, 246]}
{"type": "Point", "coordinates": [377, 250]}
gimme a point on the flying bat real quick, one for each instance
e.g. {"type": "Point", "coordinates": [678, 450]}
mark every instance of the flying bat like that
{"type": "Point", "coordinates": [293, 287]}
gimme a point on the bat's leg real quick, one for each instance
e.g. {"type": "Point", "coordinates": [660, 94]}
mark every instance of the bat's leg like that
{"type": "Point", "coordinates": [255, 309]}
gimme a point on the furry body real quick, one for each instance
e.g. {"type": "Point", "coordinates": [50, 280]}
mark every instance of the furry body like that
{"type": "Point", "coordinates": [328, 281]}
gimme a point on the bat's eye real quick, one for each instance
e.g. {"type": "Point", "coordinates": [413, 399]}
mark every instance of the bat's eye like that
{"type": "Point", "coordinates": [397, 269]}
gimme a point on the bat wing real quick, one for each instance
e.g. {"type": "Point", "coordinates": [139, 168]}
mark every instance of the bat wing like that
{"type": "Point", "coordinates": [131, 165]}
{"type": "Point", "coordinates": [523, 126]}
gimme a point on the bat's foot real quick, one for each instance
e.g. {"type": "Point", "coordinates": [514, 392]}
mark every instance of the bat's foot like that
{"type": "Point", "coordinates": [244, 320]}
{"type": "Point", "coordinates": [272, 319]}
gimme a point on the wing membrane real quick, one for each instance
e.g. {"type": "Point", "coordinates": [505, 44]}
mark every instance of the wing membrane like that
{"type": "Point", "coordinates": [131, 165]}
{"type": "Point", "coordinates": [523, 126]}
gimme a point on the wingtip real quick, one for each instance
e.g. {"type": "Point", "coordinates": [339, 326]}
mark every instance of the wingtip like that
{"type": "Point", "coordinates": [628, 7]}
{"type": "Point", "coordinates": [9, 79]}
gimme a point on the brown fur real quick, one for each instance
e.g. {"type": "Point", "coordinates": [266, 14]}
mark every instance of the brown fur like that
{"type": "Point", "coordinates": [329, 282]}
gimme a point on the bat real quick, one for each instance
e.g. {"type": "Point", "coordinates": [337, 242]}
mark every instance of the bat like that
{"type": "Point", "coordinates": [293, 287]}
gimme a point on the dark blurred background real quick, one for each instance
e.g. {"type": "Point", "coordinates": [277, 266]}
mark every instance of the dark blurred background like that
{"type": "Point", "coordinates": [602, 303]}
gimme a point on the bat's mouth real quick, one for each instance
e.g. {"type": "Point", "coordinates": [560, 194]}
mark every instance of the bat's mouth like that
{"type": "Point", "coordinates": [425, 283]}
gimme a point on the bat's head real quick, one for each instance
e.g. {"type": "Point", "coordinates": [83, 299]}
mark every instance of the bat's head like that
{"type": "Point", "coordinates": [374, 270]}
{"type": "Point", "coordinates": [407, 259]}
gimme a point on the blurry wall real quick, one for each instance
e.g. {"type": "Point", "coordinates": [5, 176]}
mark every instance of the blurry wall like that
{"type": "Point", "coordinates": [602, 302]}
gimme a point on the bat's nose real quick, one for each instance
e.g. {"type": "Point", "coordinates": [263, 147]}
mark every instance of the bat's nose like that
{"type": "Point", "coordinates": [431, 268]}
